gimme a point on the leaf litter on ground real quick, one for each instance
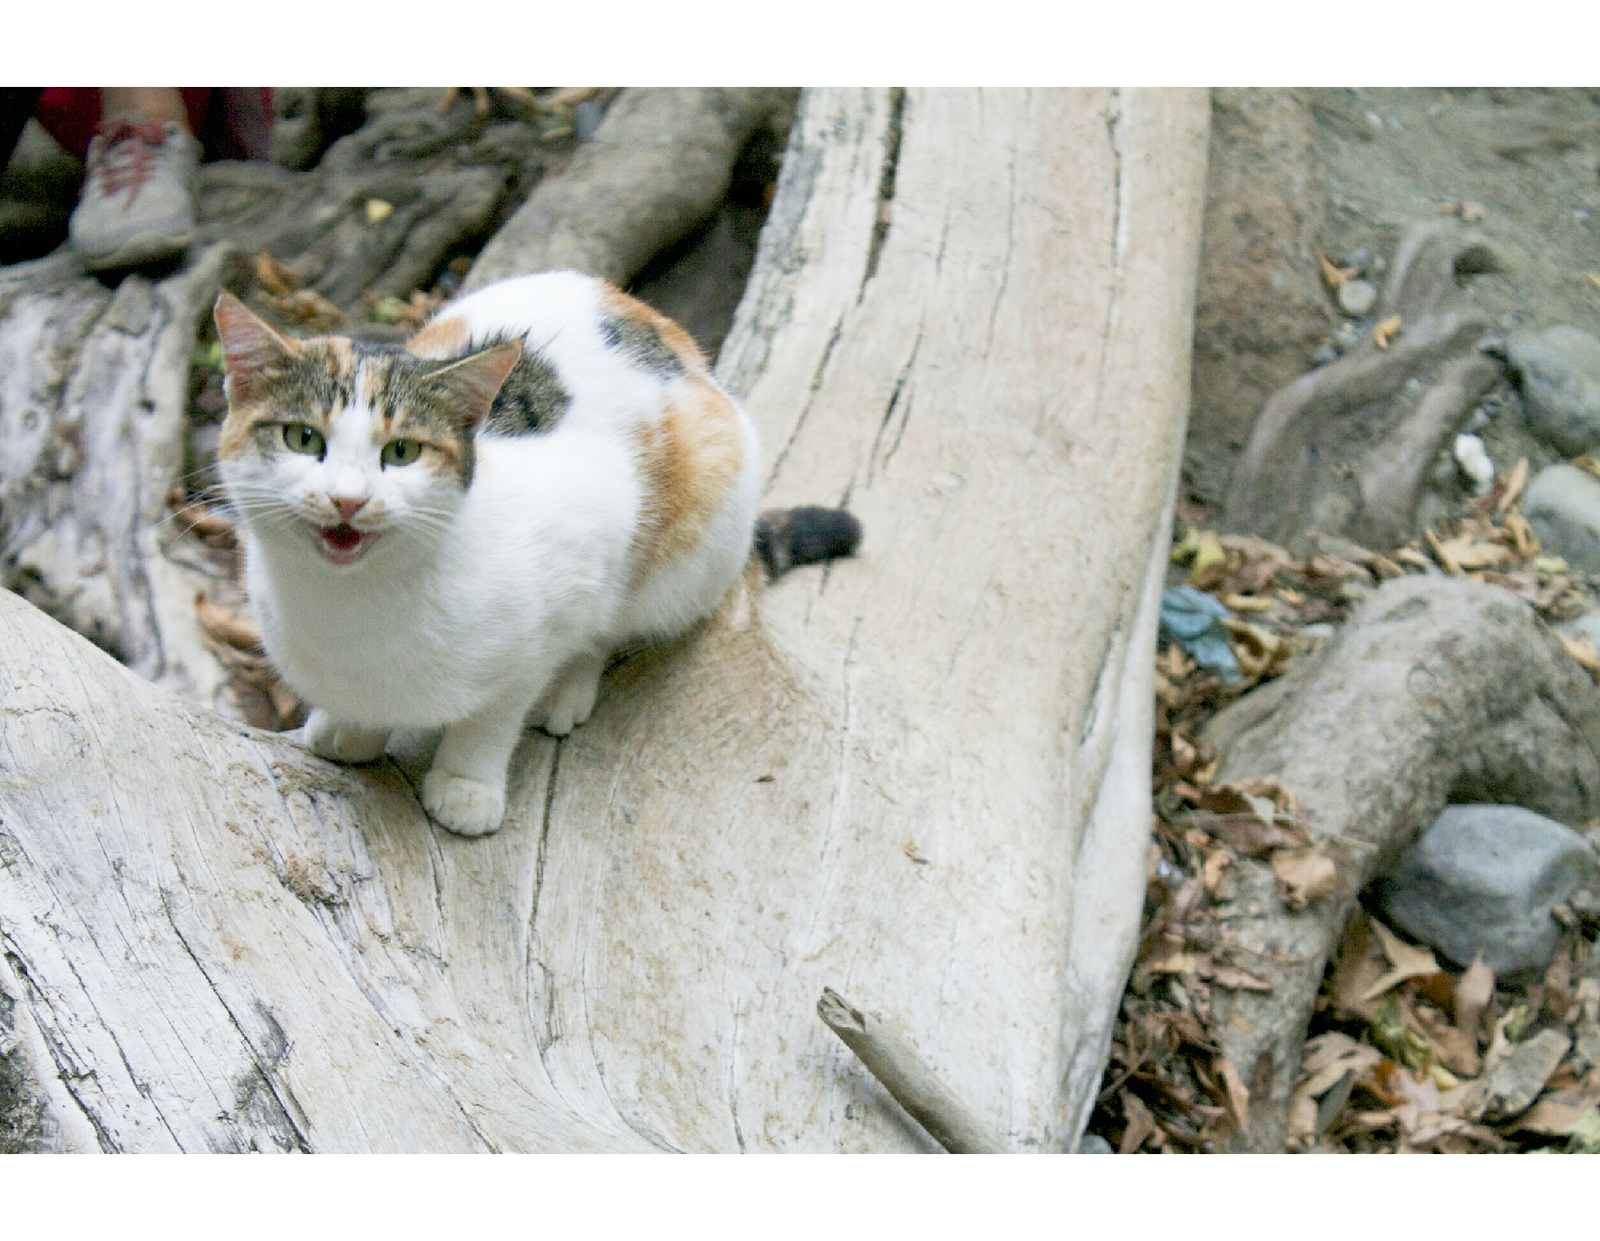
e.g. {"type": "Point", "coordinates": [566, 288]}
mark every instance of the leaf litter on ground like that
{"type": "Point", "coordinates": [1404, 1054]}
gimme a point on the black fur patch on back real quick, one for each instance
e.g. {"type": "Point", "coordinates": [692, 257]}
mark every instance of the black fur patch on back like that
{"type": "Point", "coordinates": [530, 402]}
{"type": "Point", "coordinates": [642, 345]}
{"type": "Point", "coordinates": [786, 537]}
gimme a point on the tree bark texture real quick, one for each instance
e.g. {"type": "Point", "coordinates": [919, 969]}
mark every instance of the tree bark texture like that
{"type": "Point", "coordinates": [920, 775]}
{"type": "Point", "coordinates": [658, 165]}
{"type": "Point", "coordinates": [1346, 448]}
{"type": "Point", "coordinates": [1437, 690]}
{"type": "Point", "coordinates": [93, 417]}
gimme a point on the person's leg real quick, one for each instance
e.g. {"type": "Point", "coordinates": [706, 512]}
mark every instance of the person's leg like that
{"type": "Point", "coordinates": [137, 205]}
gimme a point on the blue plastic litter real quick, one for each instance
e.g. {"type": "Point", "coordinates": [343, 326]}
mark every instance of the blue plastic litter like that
{"type": "Point", "coordinates": [1193, 618]}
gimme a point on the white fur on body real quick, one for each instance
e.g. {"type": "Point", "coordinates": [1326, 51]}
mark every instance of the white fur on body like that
{"type": "Point", "coordinates": [474, 607]}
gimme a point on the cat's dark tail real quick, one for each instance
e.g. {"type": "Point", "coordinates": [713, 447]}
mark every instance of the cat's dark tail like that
{"type": "Point", "coordinates": [786, 537]}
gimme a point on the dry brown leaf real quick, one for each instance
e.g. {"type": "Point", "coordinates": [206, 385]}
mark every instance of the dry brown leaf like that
{"type": "Point", "coordinates": [1456, 1049]}
{"type": "Point", "coordinates": [1248, 836]}
{"type": "Point", "coordinates": [1304, 875]}
{"type": "Point", "coordinates": [1386, 331]}
{"type": "Point", "coordinates": [273, 276]}
{"type": "Point", "coordinates": [1587, 464]}
{"type": "Point", "coordinates": [1141, 1124]}
{"type": "Point", "coordinates": [1592, 276]}
{"type": "Point", "coordinates": [1582, 649]}
{"type": "Point", "coordinates": [1335, 276]}
{"type": "Point", "coordinates": [1526, 541]}
{"type": "Point", "coordinates": [197, 518]}
{"type": "Point", "coordinates": [1441, 553]}
{"type": "Point", "coordinates": [237, 631]}
{"type": "Point", "coordinates": [1515, 479]}
{"type": "Point", "coordinates": [1216, 862]}
{"type": "Point", "coordinates": [1329, 1057]}
{"type": "Point", "coordinates": [1560, 1113]}
{"type": "Point", "coordinates": [1405, 961]}
{"type": "Point", "coordinates": [1360, 963]}
{"type": "Point", "coordinates": [1238, 1093]}
{"type": "Point", "coordinates": [1465, 552]}
{"type": "Point", "coordinates": [1231, 977]}
{"type": "Point", "coordinates": [1172, 963]}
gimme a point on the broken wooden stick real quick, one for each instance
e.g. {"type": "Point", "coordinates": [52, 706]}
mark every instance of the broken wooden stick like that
{"type": "Point", "coordinates": [890, 1057]}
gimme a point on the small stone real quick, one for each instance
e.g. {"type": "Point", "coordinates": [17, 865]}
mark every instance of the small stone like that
{"type": "Point", "coordinates": [1563, 507]}
{"type": "Point", "coordinates": [1324, 355]}
{"type": "Point", "coordinates": [1483, 879]}
{"type": "Point", "coordinates": [1360, 259]}
{"type": "Point", "coordinates": [1094, 1144]}
{"type": "Point", "coordinates": [1480, 419]}
{"type": "Point", "coordinates": [1560, 369]}
{"type": "Point", "coordinates": [1474, 461]}
{"type": "Point", "coordinates": [1347, 336]}
{"type": "Point", "coordinates": [1357, 297]}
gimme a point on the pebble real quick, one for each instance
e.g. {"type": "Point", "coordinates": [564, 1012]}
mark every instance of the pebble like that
{"type": "Point", "coordinates": [1360, 259]}
{"type": "Point", "coordinates": [1094, 1144]}
{"type": "Point", "coordinates": [1485, 878]}
{"type": "Point", "coordinates": [1348, 335]}
{"type": "Point", "coordinates": [1357, 297]}
{"type": "Point", "coordinates": [1474, 461]}
{"type": "Point", "coordinates": [1560, 369]}
{"type": "Point", "coordinates": [586, 119]}
{"type": "Point", "coordinates": [1563, 507]}
{"type": "Point", "coordinates": [1324, 355]}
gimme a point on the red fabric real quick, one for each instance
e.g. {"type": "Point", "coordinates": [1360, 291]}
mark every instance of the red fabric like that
{"type": "Point", "coordinates": [238, 129]}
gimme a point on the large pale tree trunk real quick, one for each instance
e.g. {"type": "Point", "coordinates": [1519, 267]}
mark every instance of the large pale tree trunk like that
{"type": "Point", "coordinates": [920, 776]}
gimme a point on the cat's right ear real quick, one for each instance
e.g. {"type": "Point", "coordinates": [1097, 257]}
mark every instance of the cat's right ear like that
{"type": "Point", "coordinates": [251, 347]}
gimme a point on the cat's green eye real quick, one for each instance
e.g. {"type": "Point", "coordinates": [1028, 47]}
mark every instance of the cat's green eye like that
{"type": "Point", "coordinates": [298, 437]}
{"type": "Point", "coordinates": [400, 452]}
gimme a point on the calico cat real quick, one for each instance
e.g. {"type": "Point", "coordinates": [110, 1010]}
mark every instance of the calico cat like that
{"type": "Point", "coordinates": [458, 534]}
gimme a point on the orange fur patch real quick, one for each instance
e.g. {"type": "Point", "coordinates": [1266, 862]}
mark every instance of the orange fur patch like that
{"type": "Point", "coordinates": [444, 337]}
{"type": "Point", "coordinates": [614, 301]}
{"type": "Point", "coordinates": [688, 459]}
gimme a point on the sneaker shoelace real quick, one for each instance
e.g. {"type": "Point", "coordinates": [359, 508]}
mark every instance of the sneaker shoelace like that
{"type": "Point", "coordinates": [125, 159]}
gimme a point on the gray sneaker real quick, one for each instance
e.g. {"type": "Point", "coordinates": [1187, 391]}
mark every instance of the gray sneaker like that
{"type": "Point", "coordinates": [137, 204]}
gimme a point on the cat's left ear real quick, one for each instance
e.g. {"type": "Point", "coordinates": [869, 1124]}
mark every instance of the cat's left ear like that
{"type": "Point", "coordinates": [474, 382]}
{"type": "Point", "coordinates": [251, 347]}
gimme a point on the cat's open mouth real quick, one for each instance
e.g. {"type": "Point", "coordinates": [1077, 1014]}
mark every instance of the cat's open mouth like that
{"type": "Point", "coordinates": [343, 544]}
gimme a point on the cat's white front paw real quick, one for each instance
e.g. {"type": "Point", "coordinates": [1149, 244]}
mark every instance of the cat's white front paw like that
{"type": "Point", "coordinates": [466, 807]}
{"type": "Point", "coordinates": [344, 743]}
{"type": "Point", "coordinates": [572, 701]}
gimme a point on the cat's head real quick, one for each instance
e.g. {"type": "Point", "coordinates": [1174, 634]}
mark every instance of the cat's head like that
{"type": "Point", "coordinates": [339, 445]}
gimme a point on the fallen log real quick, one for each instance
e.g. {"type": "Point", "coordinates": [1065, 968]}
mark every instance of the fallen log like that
{"type": "Point", "coordinates": [921, 775]}
{"type": "Point", "coordinates": [1436, 690]}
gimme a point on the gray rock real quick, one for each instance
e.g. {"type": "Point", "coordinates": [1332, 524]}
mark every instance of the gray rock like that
{"type": "Point", "coordinates": [1357, 297]}
{"type": "Point", "coordinates": [1324, 355]}
{"type": "Point", "coordinates": [1484, 879]}
{"type": "Point", "coordinates": [1563, 507]}
{"type": "Point", "coordinates": [1560, 369]}
{"type": "Point", "coordinates": [1348, 335]}
{"type": "Point", "coordinates": [1516, 1078]}
{"type": "Point", "coordinates": [1094, 1144]}
{"type": "Point", "coordinates": [1360, 258]}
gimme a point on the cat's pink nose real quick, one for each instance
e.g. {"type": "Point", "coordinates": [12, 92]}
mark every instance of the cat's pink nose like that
{"type": "Point", "coordinates": [348, 505]}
